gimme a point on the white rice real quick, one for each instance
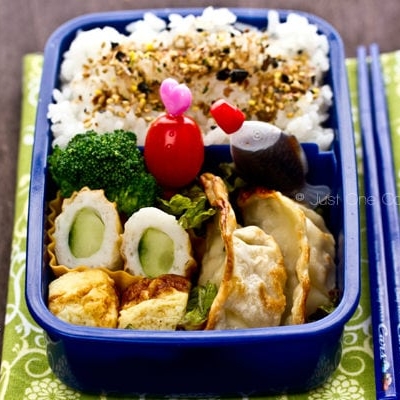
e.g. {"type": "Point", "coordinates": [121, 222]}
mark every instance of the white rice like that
{"type": "Point", "coordinates": [149, 43]}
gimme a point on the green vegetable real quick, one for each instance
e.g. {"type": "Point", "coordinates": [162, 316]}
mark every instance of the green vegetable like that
{"type": "Point", "coordinates": [230, 177]}
{"type": "Point", "coordinates": [110, 161]}
{"type": "Point", "coordinates": [156, 252]}
{"type": "Point", "coordinates": [324, 310]}
{"type": "Point", "coordinates": [198, 307]}
{"type": "Point", "coordinates": [191, 207]}
{"type": "Point", "coordinates": [87, 232]}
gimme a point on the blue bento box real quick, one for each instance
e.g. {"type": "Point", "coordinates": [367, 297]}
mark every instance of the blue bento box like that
{"type": "Point", "coordinates": [200, 363]}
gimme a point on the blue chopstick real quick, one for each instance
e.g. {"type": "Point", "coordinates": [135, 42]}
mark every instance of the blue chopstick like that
{"type": "Point", "coordinates": [380, 308]}
{"type": "Point", "coordinates": [391, 221]}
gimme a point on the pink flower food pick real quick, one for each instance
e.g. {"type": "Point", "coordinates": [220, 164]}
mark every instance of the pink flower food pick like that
{"type": "Point", "coordinates": [175, 96]}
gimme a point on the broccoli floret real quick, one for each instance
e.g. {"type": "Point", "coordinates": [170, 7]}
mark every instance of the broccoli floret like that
{"type": "Point", "coordinates": [109, 161]}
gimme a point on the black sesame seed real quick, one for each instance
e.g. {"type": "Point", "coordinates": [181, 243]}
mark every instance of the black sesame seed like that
{"type": "Point", "coordinates": [144, 87]}
{"type": "Point", "coordinates": [285, 78]}
{"type": "Point", "coordinates": [238, 75]}
{"type": "Point", "coordinates": [223, 74]}
{"type": "Point", "coordinates": [120, 55]}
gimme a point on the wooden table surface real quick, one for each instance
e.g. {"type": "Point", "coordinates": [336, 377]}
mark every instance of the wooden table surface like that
{"type": "Point", "coordinates": [26, 24]}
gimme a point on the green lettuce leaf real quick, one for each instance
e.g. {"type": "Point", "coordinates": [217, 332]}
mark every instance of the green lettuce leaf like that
{"type": "Point", "coordinates": [190, 207]}
{"type": "Point", "coordinates": [198, 307]}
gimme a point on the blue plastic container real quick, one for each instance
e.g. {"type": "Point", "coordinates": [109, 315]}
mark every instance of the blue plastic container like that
{"type": "Point", "coordinates": [201, 363]}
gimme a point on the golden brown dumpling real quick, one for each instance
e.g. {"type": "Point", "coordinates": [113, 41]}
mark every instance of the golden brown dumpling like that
{"type": "Point", "coordinates": [156, 304]}
{"type": "Point", "coordinates": [308, 249]}
{"type": "Point", "coordinates": [246, 264]}
{"type": "Point", "coordinates": [86, 297]}
{"type": "Point", "coordinates": [322, 267]}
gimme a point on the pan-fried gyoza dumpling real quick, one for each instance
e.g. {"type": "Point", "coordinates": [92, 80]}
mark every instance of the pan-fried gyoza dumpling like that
{"type": "Point", "coordinates": [308, 249]}
{"type": "Point", "coordinates": [245, 263]}
{"type": "Point", "coordinates": [322, 266]}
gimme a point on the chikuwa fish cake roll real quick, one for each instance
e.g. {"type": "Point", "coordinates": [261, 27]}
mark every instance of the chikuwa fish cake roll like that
{"type": "Point", "coordinates": [154, 243]}
{"type": "Point", "coordinates": [88, 231]}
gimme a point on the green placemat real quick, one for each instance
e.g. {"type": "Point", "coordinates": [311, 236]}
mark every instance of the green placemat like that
{"type": "Point", "coordinates": [25, 373]}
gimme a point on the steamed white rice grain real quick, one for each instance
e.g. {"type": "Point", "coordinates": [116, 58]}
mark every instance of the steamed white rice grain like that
{"type": "Point", "coordinates": [110, 80]}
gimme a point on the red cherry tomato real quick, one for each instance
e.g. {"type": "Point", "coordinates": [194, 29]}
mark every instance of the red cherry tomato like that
{"type": "Point", "coordinates": [174, 150]}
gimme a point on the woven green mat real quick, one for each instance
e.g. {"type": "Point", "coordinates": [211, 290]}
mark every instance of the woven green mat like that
{"type": "Point", "coordinates": [25, 373]}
